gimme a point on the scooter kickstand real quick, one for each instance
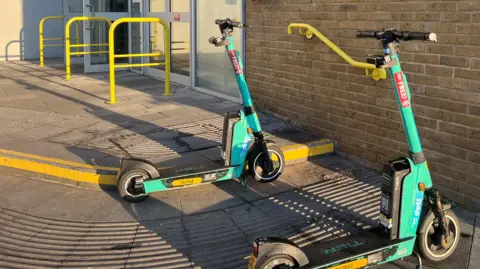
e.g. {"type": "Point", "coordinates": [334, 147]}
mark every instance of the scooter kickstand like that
{"type": "Point", "coordinates": [243, 181]}
{"type": "Point", "coordinates": [419, 265]}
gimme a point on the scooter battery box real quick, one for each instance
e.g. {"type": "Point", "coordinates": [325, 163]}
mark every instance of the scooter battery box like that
{"type": "Point", "coordinates": [229, 121]}
{"type": "Point", "coordinates": [394, 172]}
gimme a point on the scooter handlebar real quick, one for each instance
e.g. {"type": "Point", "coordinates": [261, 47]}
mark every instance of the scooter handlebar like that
{"type": "Point", "coordinates": [402, 35]}
{"type": "Point", "coordinates": [230, 23]}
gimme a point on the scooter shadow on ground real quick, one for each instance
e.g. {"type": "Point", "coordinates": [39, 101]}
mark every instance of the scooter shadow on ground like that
{"type": "Point", "coordinates": [312, 213]}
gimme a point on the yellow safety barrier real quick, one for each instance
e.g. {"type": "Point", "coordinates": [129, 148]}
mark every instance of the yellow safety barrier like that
{"type": "Point", "coordinates": [42, 39]}
{"type": "Point", "coordinates": [68, 53]}
{"type": "Point", "coordinates": [112, 55]}
{"type": "Point", "coordinates": [377, 73]}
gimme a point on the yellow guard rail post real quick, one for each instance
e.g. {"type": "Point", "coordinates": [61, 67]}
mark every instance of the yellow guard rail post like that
{"type": "Point", "coordinates": [42, 39]}
{"type": "Point", "coordinates": [68, 53]}
{"type": "Point", "coordinates": [112, 55]}
{"type": "Point", "coordinates": [377, 73]}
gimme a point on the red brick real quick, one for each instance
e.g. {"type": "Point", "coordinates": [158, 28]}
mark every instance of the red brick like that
{"type": "Point", "coordinates": [453, 83]}
{"type": "Point", "coordinates": [460, 39]}
{"type": "Point", "coordinates": [444, 148]}
{"type": "Point", "coordinates": [442, 6]}
{"type": "Point", "coordinates": [455, 16]}
{"type": "Point", "coordinates": [439, 136]}
{"type": "Point", "coordinates": [466, 73]}
{"type": "Point", "coordinates": [476, 17]}
{"type": "Point", "coordinates": [468, 28]}
{"type": "Point", "coordinates": [466, 143]}
{"type": "Point", "coordinates": [454, 61]}
{"type": "Point", "coordinates": [441, 71]}
{"type": "Point", "coordinates": [469, 97]}
{"type": "Point", "coordinates": [473, 157]}
{"type": "Point", "coordinates": [468, 6]}
{"type": "Point", "coordinates": [475, 63]}
{"type": "Point", "coordinates": [426, 58]}
{"type": "Point", "coordinates": [404, 16]}
{"type": "Point", "coordinates": [453, 106]}
{"type": "Point", "coordinates": [453, 128]}
{"type": "Point", "coordinates": [440, 49]}
{"type": "Point", "coordinates": [474, 110]}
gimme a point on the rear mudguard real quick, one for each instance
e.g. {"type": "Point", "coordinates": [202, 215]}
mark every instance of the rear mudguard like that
{"type": "Point", "coordinates": [137, 163]}
{"type": "Point", "coordinates": [268, 246]}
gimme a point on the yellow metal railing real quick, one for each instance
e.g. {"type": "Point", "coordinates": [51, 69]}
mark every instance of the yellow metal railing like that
{"type": "Point", "coordinates": [310, 31]}
{"type": "Point", "coordinates": [68, 53]}
{"type": "Point", "coordinates": [112, 55]}
{"type": "Point", "coordinates": [42, 39]}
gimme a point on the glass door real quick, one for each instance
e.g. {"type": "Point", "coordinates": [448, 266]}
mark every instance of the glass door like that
{"type": "Point", "coordinates": [176, 13]}
{"type": "Point", "coordinates": [213, 71]}
{"type": "Point", "coordinates": [74, 8]}
{"type": "Point", "coordinates": [136, 33]}
{"type": "Point", "coordinates": [96, 32]}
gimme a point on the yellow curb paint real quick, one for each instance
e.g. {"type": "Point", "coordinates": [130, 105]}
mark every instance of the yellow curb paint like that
{"type": "Point", "coordinates": [59, 161]}
{"type": "Point", "coordinates": [291, 152]}
{"type": "Point", "coordinates": [299, 151]}
{"type": "Point", "coordinates": [53, 170]}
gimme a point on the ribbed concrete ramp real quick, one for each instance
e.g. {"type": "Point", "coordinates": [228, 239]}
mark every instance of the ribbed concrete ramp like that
{"type": "Point", "coordinates": [337, 203]}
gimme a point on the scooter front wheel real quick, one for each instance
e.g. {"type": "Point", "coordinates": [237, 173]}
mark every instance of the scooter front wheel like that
{"type": "Point", "coordinates": [276, 261]}
{"type": "Point", "coordinates": [430, 238]}
{"type": "Point", "coordinates": [257, 164]}
{"type": "Point", "coordinates": [126, 185]}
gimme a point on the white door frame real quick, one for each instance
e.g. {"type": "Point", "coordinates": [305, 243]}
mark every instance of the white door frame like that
{"type": "Point", "coordinates": [70, 11]}
{"type": "Point", "coordinates": [142, 34]}
{"type": "Point", "coordinates": [169, 17]}
{"type": "Point", "coordinates": [88, 10]}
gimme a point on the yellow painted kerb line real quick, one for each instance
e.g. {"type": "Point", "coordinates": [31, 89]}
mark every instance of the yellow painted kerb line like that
{"type": "Point", "coordinates": [78, 171]}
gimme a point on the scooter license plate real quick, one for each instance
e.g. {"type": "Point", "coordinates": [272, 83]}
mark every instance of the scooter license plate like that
{"type": "Point", "coordinates": [361, 263]}
{"type": "Point", "coordinates": [252, 261]}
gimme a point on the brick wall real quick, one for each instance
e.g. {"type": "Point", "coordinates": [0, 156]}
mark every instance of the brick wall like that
{"type": "Point", "coordinates": [306, 82]}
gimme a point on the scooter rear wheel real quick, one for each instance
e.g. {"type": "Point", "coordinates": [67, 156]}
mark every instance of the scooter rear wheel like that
{"type": "Point", "coordinates": [126, 185]}
{"type": "Point", "coordinates": [256, 164]}
{"type": "Point", "coordinates": [277, 261]}
{"type": "Point", "coordinates": [429, 237]}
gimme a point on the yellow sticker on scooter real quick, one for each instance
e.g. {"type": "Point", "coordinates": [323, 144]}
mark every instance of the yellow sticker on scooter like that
{"type": "Point", "coordinates": [186, 181]}
{"type": "Point", "coordinates": [252, 261]}
{"type": "Point", "coordinates": [351, 265]}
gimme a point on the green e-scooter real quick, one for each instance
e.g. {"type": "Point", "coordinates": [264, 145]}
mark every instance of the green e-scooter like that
{"type": "Point", "coordinates": [412, 214]}
{"type": "Point", "coordinates": [265, 161]}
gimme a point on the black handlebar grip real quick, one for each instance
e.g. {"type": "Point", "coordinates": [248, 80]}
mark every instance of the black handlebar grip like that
{"type": "Point", "coordinates": [420, 36]}
{"type": "Point", "coordinates": [219, 21]}
{"type": "Point", "coordinates": [236, 24]}
{"type": "Point", "coordinates": [366, 34]}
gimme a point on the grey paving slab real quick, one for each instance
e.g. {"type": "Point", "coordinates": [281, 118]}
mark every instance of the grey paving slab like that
{"type": "Point", "coordinates": [457, 260]}
{"type": "Point", "coordinates": [160, 205]}
{"type": "Point", "coordinates": [467, 220]}
{"type": "Point", "coordinates": [233, 255]}
{"type": "Point", "coordinates": [77, 204]}
{"type": "Point", "coordinates": [206, 197]}
{"type": "Point", "coordinates": [213, 154]}
{"type": "Point", "coordinates": [211, 229]}
{"type": "Point", "coordinates": [9, 181]}
{"type": "Point", "coordinates": [399, 264]}
{"type": "Point", "coordinates": [474, 262]}
{"type": "Point", "coordinates": [52, 150]}
{"type": "Point", "coordinates": [30, 194]}
{"type": "Point", "coordinates": [106, 210]}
